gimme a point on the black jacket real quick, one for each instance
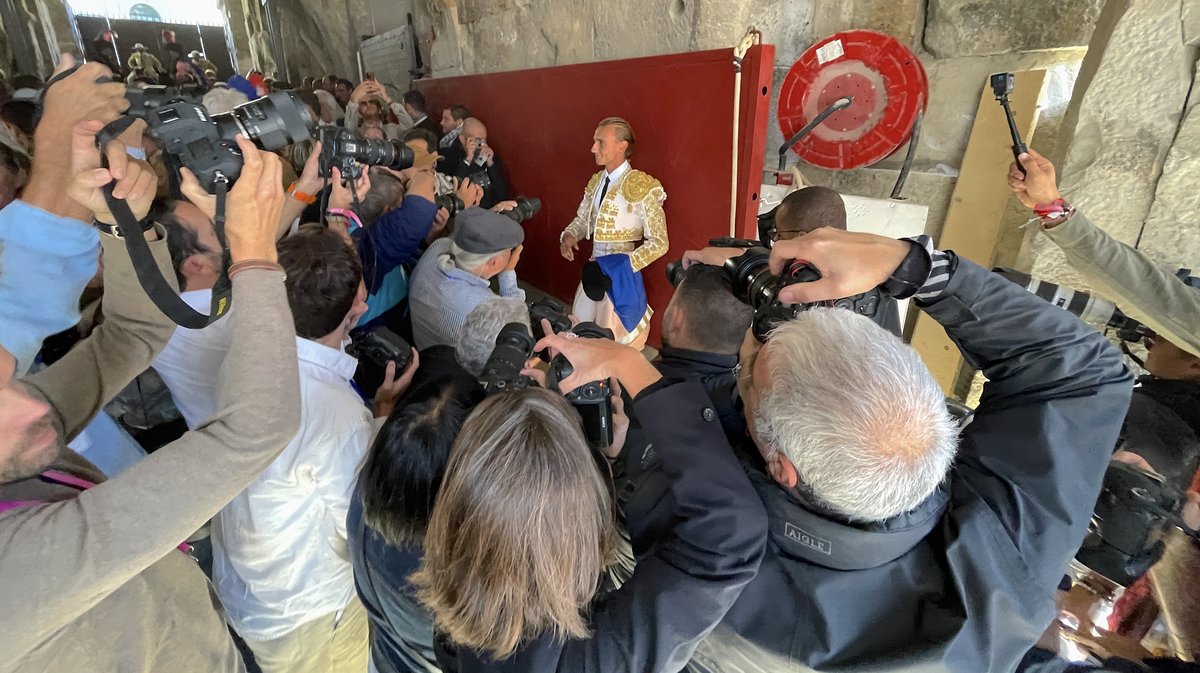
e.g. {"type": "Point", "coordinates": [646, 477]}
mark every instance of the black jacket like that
{"type": "Point", "coordinates": [1163, 426]}
{"type": "Point", "coordinates": [718, 374]}
{"type": "Point", "coordinates": [687, 575]}
{"type": "Point", "coordinates": [454, 163]}
{"type": "Point", "coordinates": [887, 315]}
{"type": "Point", "coordinates": [965, 581]}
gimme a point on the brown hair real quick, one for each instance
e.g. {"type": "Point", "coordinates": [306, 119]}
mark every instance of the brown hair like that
{"type": "Point", "coordinates": [522, 528]}
{"type": "Point", "coordinates": [323, 274]}
{"type": "Point", "coordinates": [624, 132]}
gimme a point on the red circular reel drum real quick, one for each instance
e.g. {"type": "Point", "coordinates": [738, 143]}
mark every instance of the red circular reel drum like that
{"type": "Point", "coordinates": [885, 80]}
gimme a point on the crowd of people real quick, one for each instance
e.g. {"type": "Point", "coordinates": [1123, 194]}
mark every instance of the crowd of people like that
{"type": "Point", "coordinates": [802, 499]}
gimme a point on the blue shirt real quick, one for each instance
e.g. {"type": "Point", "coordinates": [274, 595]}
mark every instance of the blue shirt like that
{"type": "Point", "coordinates": [45, 262]}
{"type": "Point", "coordinates": [441, 295]}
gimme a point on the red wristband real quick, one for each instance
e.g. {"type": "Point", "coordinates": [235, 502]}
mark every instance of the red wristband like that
{"type": "Point", "coordinates": [1051, 210]}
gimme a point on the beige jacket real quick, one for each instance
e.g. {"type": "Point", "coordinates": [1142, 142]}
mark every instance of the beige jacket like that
{"type": "Point", "coordinates": [631, 212]}
{"type": "Point", "coordinates": [92, 580]}
{"type": "Point", "coordinates": [1142, 289]}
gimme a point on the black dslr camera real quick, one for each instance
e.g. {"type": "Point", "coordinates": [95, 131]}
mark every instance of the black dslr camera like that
{"type": "Point", "coordinates": [380, 346]}
{"type": "Point", "coordinates": [342, 149]}
{"type": "Point", "coordinates": [549, 308]}
{"type": "Point", "coordinates": [527, 206]}
{"type": "Point", "coordinates": [593, 400]}
{"type": "Point", "coordinates": [205, 145]}
{"type": "Point", "coordinates": [754, 284]}
{"type": "Point", "coordinates": [502, 372]}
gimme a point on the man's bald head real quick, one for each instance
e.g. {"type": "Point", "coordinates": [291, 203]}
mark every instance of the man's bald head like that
{"type": "Point", "coordinates": [473, 131]}
{"type": "Point", "coordinates": [474, 127]}
{"type": "Point", "coordinates": [808, 209]}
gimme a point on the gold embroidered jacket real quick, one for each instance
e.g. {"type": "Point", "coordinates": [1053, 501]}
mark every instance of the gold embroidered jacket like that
{"type": "Point", "coordinates": [631, 212]}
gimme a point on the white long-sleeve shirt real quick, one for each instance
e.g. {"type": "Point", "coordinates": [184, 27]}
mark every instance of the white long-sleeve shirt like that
{"type": "Point", "coordinates": [279, 548]}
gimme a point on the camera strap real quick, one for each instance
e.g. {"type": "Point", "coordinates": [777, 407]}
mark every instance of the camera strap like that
{"type": "Point", "coordinates": [151, 278]}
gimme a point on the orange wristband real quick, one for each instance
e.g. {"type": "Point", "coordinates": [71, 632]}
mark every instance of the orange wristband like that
{"type": "Point", "coordinates": [302, 197]}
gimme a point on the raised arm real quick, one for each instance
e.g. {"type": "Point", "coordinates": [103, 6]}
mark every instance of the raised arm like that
{"type": "Point", "coordinates": [131, 521]}
{"type": "Point", "coordinates": [1143, 290]}
{"type": "Point", "coordinates": [1056, 394]}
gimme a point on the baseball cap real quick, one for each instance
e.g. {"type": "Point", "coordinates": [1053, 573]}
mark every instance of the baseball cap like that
{"type": "Point", "coordinates": [482, 232]}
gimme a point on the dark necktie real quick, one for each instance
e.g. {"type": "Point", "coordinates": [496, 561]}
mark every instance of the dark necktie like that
{"type": "Point", "coordinates": [604, 191]}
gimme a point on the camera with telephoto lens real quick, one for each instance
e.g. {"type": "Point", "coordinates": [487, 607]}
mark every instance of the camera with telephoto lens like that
{"type": "Point", "coordinates": [1090, 309]}
{"type": "Point", "coordinates": [205, 145]}
{"type": "Point", "coordinates": [345, 151]}
{"type": "Point", "coordinates": [514, 346]}
{"type": "Point", "coordinates": [593, 400]}
{"type": "Point", "coordinates": [379, 346]}
{"type": "Point", "coordinates": [527, 206]}
{"type": "Point", "coordinates": [754, 284]}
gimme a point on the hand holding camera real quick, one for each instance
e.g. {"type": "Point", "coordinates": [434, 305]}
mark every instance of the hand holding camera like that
{"type": "Point", "coordinates": [133, 180]}
{"type": "Point", "coordinates": [255, 203]}
{"type": "Point", "coordinates": [87, 94]}
{"type": "Point", "coordinates": [600, 360]}
{"type": "Point", "coordinates": [849, 263]}
{"type": "Point", "coordinates": [340, 194]}
{"type": "Point", "coordinates": [394, 386]}
{"type": "Point", "coordinates": [468, 192]}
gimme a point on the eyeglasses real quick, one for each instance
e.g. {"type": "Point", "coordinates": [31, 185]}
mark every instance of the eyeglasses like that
{"type": "Point", "coordinates": [774, 233]}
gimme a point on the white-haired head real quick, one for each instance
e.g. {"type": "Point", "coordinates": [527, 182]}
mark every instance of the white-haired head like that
{"type": "Point", "coordinates": [856, 412]}
{"type": "Point", "coordinates": [222, 99]}
{"type": "Point", "coordinates": [477, 339]}
{"type": "Point", "coordinates": [471, 262]}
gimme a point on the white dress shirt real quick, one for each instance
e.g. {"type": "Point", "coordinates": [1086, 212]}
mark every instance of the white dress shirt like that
{"type": "Point", "coordinates": [612, 180]}
{"type": "Point", "coordinates": [279, 548]}
{"type": "Point", "coordinates": [192, 359]}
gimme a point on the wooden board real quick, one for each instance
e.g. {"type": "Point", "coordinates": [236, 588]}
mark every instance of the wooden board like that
{"type": "Point", "coordinates": [973, 222]}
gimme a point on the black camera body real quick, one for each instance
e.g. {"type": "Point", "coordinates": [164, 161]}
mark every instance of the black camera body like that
{"type": "Point", "coordinates": [593, 400]}
{"type": "Point", "coordinates": [345, 151]}
{"type": "Point", "coordinates": [502, 372]}
{"type": "Point", "coordinates": [551, 309]}
{"type": "Point", "coordinates": [205, 145]}
{"type": "Point", "coordinates": [754, 284]}
{"type": "Point", "coordinates": [143, 100]}
{"type": "Point", "coordinates": [527, 206]}
{"type": "Point", "coordinates": [380, 346]}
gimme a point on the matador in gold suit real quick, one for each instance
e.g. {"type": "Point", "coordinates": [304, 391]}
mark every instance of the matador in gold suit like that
{"type": "Point", "coordinates": [622, 213]}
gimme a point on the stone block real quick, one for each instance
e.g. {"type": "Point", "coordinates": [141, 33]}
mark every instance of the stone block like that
{"type": "Point", "coordinates": [983, 27]}
{"type": "Point", "coordinates": [1122, 122]}
{"type": "Point", "coordinates": [898, 18]}
{"type": "Point", "coordinates": [1191, 23]}
{"type": "Point", "coordinates": [1171, 236]}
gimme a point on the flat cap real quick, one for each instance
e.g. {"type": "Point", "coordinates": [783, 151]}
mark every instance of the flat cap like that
{"type": "Point", "coordinates": [481, 231]}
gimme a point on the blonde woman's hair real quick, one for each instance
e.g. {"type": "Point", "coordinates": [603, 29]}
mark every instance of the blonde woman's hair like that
{"type": "Point", "coordinates": [624, 132]}
{"type": "Point", "coordinates": [522, 528]}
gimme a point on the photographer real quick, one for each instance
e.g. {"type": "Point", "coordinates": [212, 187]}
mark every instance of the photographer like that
{"type": "Point", "coordinates": [1145, 291]}
{"type": "Point", "coordinates": [453, 275]}
{"type": "Point", "coordinates": [523, 528]}
{"type": "Point", "coordinates": [291, 522]}
{"type": "Point", "coordinates": [702, 332]}
{"type": "Point", "coordinates": [93, 578]}
{"type": "Point", "coordinates": [390, 509]}
{"type": "Point", "coordinates": [880, 556]}
{"type": "Point", "coordinates": [472, 156]}
{"type": "Point", "coordinates": [47, 251]}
